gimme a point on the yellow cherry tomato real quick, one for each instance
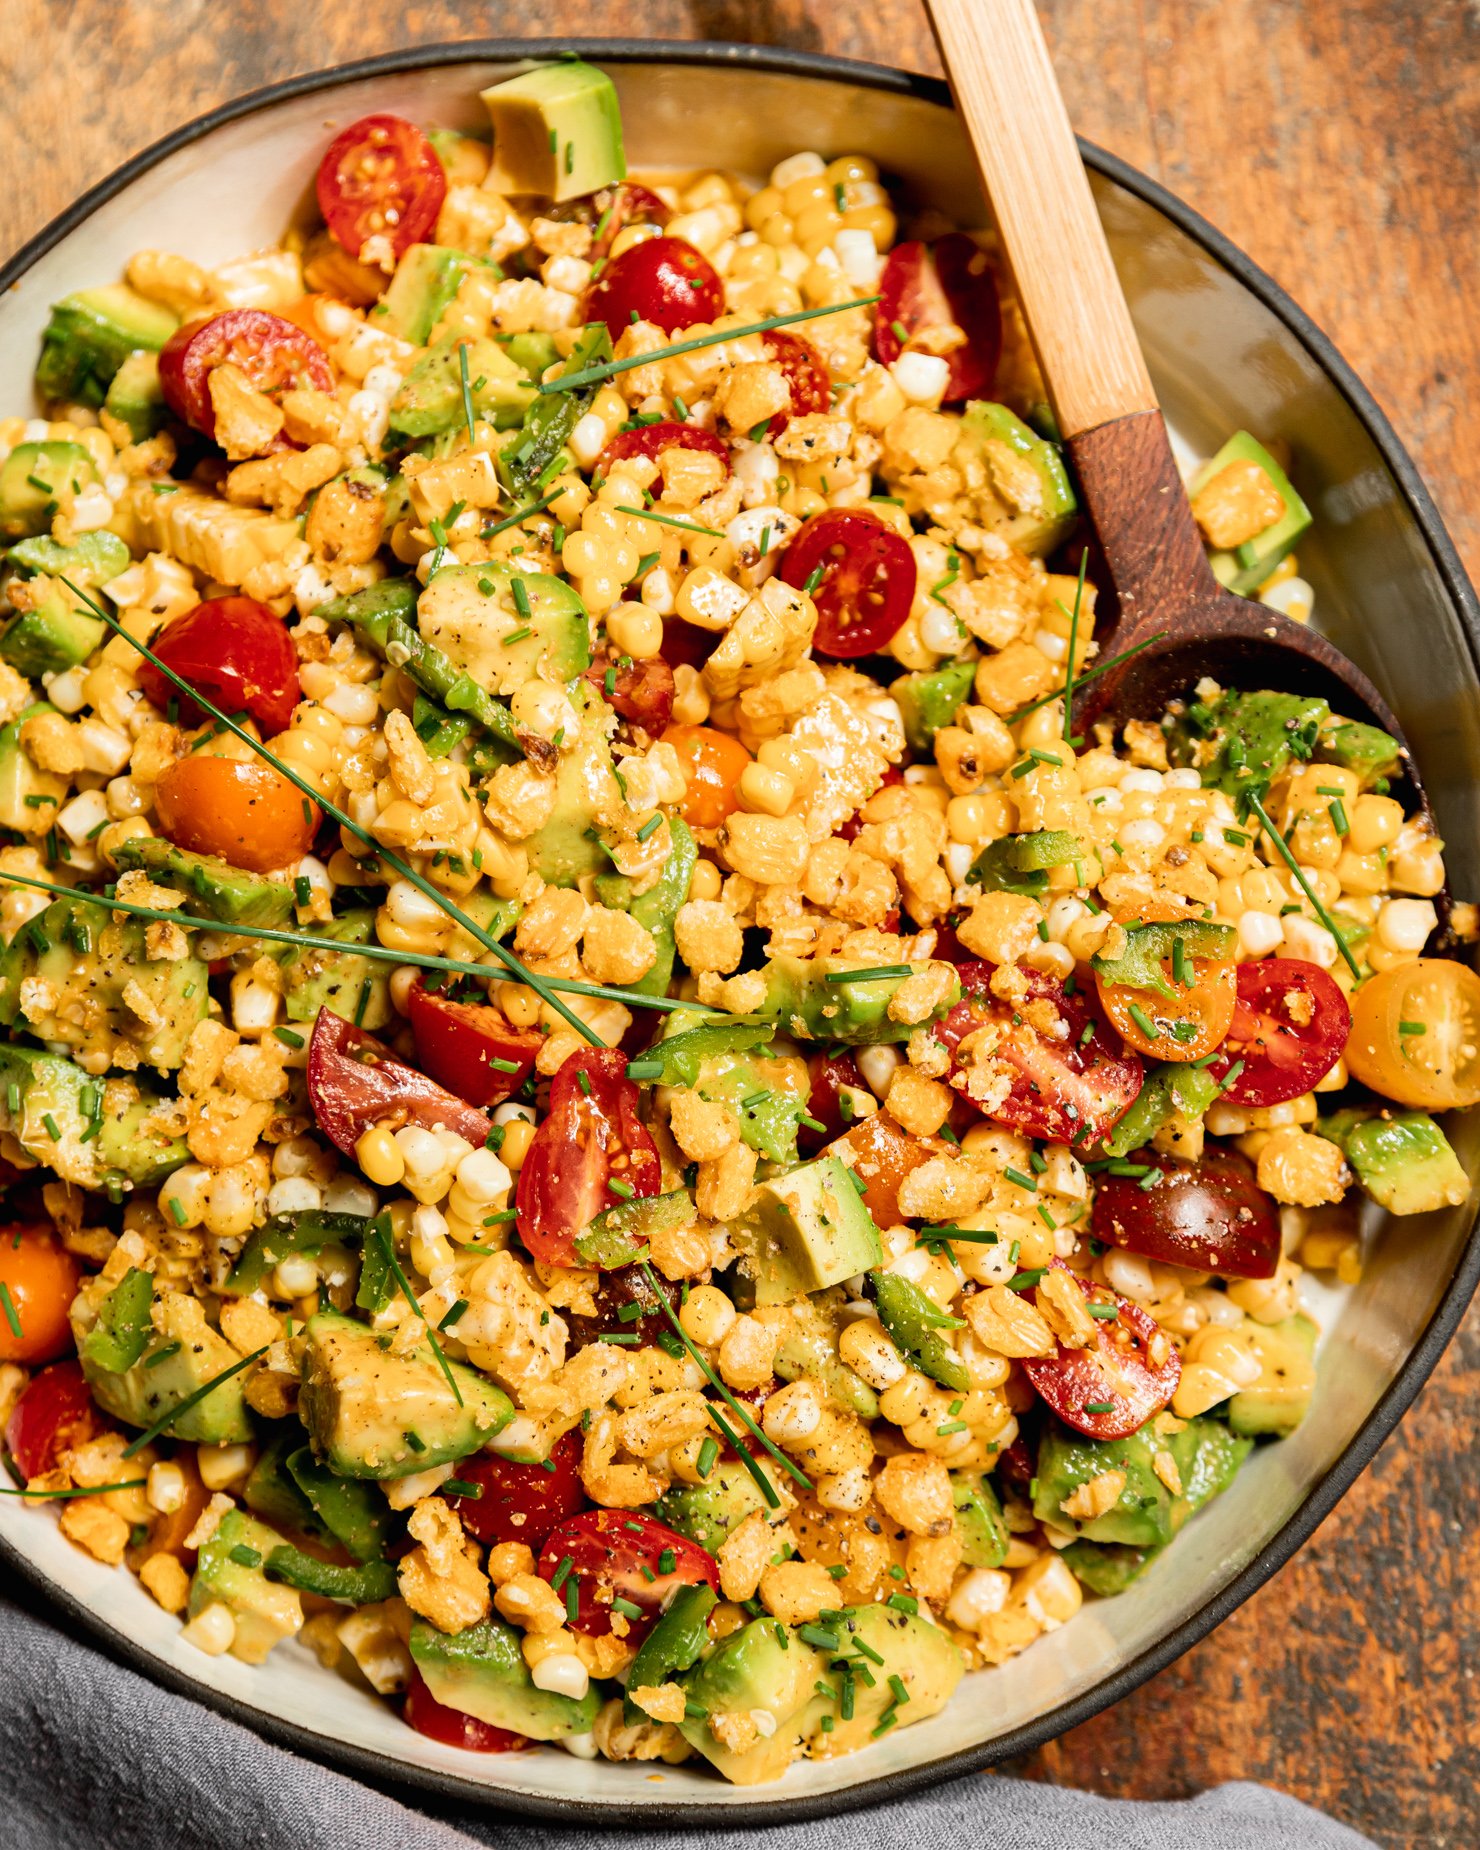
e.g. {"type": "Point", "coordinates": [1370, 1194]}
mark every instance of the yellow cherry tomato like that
{"type": "Point", "coordinates": [1416, 1035]}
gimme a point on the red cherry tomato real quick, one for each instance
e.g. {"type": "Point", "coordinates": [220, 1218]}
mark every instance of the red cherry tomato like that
{"type": "Point", "coordinates": [653, 439]}
{"type": "Point", "coordinates": [520, 1503]}
{"type": "Point", "coordinates": [881, 1155]}
{"type": "Point", "coordinates": [1069, 1069]}
{"type": "Point", "coordinates": [434, 1719]}
{"type": "Point", "coordinates": [1290, 1025]}
{"type": "Point", "coordinates": [354, 1083]}
{"type": "Point", "coordinates": [380, 181]}
{"type": "Point", "coordinates": [1210, 1216]}
{"type": "Point", "coordinates": [933, 288]}
{"type": "Point", "coordinates": [811, 388]}
{"type": "Point", "coordinates": [829, 1074]}
{"type": "Point", "coordinates": [867, 583]}
{"type": "Point", "coordinates": [458, 1043]}
{"type": "Point", "coordinates": [274, 354]}
{"type": "Point", "coordinates": [607, 1551]}
{"type": "Point", "coordinates": [248, 814]}
{"type": "Point", "coordinates": [642, 692]}
{"type": "Point", "coordinates": [238, 653]}
{"type": "Point", "coordinates": [54, 1413]}
{"type": "Point", "coordinates": [662, 280]}
{"type": "Point", "coordinates": [591, 1138]}
{"type": "Point", "coordinates": [616, 1291]}
{"type": "Point", "coordinates": [1112, 1388]}
{"type": "Point", "coordinates": [687, 643]}
{"type": "Point", "coordinates": [40, 1279]}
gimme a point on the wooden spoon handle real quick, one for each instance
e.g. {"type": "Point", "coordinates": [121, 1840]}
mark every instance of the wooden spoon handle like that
{"type": "Point", "coordinates": [1031, 168]}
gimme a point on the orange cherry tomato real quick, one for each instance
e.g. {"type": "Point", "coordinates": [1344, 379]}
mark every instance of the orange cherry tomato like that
{"type": "Point", "coordinates": [1188, 1023]}
{"type": "Point", "coordinates": [248, 814]}
{"type": "Point", "coordinates": [713, 763]}
{"type": "Point", "coordinates": [40, 1279]}
{"type": "Point", "coordinates": [1416, 1035]}
{"type": "Point", "coordinates": [881, 1156]}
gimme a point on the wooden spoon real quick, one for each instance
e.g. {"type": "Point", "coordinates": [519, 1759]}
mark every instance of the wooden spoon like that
{"type": "Point", "coordinates": [1102, 396]}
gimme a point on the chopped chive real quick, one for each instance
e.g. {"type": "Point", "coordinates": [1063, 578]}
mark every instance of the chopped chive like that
{"type": "Point", "coordinates": [902, 1602]}
{"type": "Point", "coordinates": [878, 974]}
{"type": "Point", "coordinates": [1016, 1176]}
{"type": "Point", "coordinates": [59, 1496]}
{"type": "Point", "coordinates": [1144, 1022]}
{"type": "Point", "coordinates": [1412, 1027]}
{"type": "Point", "coordinates": [619, 1187]}
{"type": "Point", "coordinates": [558, 1578]}
{"type": "Point", "coordinates": [708, 1452]}
{"type": "Point", "coordinates": [289, 1037]}
{"type": "Point", "coordinates": [622, 1341]}
{"type": "Point", "coordinates": [644, 1069]}
{"type": "Point", "coordinates": [513, 520]}
{"type": "Point", "coordinates": [650, 827]}
{"type": "Point", "coordinates": [1099, 1406]}
{"type": "Point", "coordinates": [667, 520]}
{"type": "Point", "coordinates": [12, 1315]}
{"type": "Point", "coordinates": [583, 1080]}
{"type": "Point", "coordinates": [626, 1608]}
{"type": "Point", "coordinates": [814, 578]}
{"type": "Point", "coordinates": [460, 1487]}
{"type": "Point", "coordinates": [454, 1314]}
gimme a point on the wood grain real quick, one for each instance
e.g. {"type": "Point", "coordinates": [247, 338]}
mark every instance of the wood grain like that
{"type": "Point", "coordinates": [1340, 145]}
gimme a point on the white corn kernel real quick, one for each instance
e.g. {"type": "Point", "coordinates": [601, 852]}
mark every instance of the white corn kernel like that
{"type": "Point", "coordinates": [1304, 938]}
{"type": "Point", "coordinates": [295, 1276]}
{"type": "Point", "coordinates": [347, 1194]}
{"type": "Point", "coordinates": [922, 377]}
{"type": "Point", "coordinates": [483, 1178]}
{"type": "Point", "coordinates": [1130, 1275]}
{"type": "Point", "coordinates": [588, 439]}
{"type": "Point", "coordinates": [355, 702]}
{"type": "Point", "coordinates": [294, 1195]}
{"type": "Point", "coordinates": [877, 1065]}
{"type": "Point", "coordinates": [1259, 933]}
{"type": "Point", "coordinates": [85, 815]}
{"type": "Point", "coordinates": [801, 166]}
{"type": "Point", "coordinates": [212, 1630]}
{"type": "Point", "coordinates": [563, 1674]}
{"type": "Point", "coordinates": [223, 1465]}
{"type": "Point", "coordinates": [1405, 924]}
{"type": "Point", "coordinates": [165, 1487]}
{"type": "Point", "coordinates": [410, 908]}
{"type": "Point", "coordinates": [982, 1592]}
{"type": "Point", "coordinates": [1139, 778]}
{"type": "Point", "coordinates": [254, 1006]}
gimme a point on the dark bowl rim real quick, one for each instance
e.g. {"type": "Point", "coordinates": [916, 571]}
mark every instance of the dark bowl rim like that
{"type": "Point", "coordinates": [1323, 1495]}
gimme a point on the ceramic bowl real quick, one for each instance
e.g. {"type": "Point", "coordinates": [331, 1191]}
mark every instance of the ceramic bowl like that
{"type": "Point", "coordinates": [1226, 348]}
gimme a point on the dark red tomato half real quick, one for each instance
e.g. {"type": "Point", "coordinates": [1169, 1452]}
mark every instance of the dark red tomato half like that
{"type": "Point", "coordinates": [686, 643]}
{"type": "Point", "coordinates": [1112, 1388]}
{"type": "Point", "coordinates": [829, 1074]}
{"type": "Point", "coordinates": [610, 209]}
{"type": "Point", "coordinates": [642, 692]}
{"type": "Point", "coordinates": [1290, 1024]}
{"type": "Point", "coordinates": [238, 653]}
{"type": "Point", "coordinates": [867, 581]}
{"type": "Point", "coordinates": [604, 1553]}
{"type": "Point", "coordinates": [662, 280]}
{"type": "Point", "coordinates": [591, 1137]}
{"type": "Point", "coordinates": [471, 1047]}
{"type": "Point", "coordinates": [355, 1082]}
{"type": "Point", "coordinates": [653, 439]}
{"type": "Point", "coordinates": [628, 1303]}
{"type": "Point", "coordinates": [930, 287]}
{"type": "Point", "coordinates": [520, 1502]}
{"type": "Point", "coordinates": [799, 360]}
{"type": "Point", "coordinates": [55, 1412]}
{"type": "Point", "coordinates": [275, 355]}
{"type": "Point", "coordinates": [434, 1719]}
{"type": "Point", "coordinates": [380, 179]}
{"type": "Point", "coordinates": [1064, 1081]}
{"type": "Point", "coordinates": [1210, 1216]}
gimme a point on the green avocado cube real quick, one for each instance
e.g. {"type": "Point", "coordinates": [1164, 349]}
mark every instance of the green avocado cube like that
{"type": "Point", "coordinates": [181, 1356]}
{"type": "Point", "coordinates": [1032, 479]}
{"type": "Point", "coordinates": [90, 336]}
{"type": "Point", "coordinates": [1406, 1163]}
{"type": "Point", "coordinates": [31, 479]}
{"type": "Point", "coordinates": [229, 1572]}
{"type": "Point", "coordinates": [806, 1230]}
{"type": "Point", "coordinates": [557, 131]}
{"type": "Point", "coordinates": [229, 894]}
{"type": "Point", "coordinates": [1247, 566]}
{"type": "Point", "coordinates": [1275, 1404]}
{"type": "Point", "coordinates": [427, 279]}
{"type": "Point", "coordinates": [29, 797]}
{"type": "Point", "coordinates": [481, 1671]}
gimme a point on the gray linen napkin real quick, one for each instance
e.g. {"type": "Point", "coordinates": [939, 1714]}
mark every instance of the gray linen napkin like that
{"type": "Point", "coordinates": [95, 1757]}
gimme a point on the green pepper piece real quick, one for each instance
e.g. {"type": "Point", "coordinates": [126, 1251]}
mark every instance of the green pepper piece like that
{"type": "Point", "coordinates": [307, 1231]}
{"type": "Point", "coordinates": [619, 1234]}
{"type": "Point", "coordinates": [439, 730]}
{"type": "Point", "coordinates": [685, 1052]}
{"type": "Point", "coordinates": [538, 454]}
{"type": "Point", "coordinates": [364, 1585]}
{"type": "Point", "coordinates": [1166, 1092]}
{"type": "Point", "coordinates": [122, 1331]}
{"type": "Point", "coordinates": [913, 1320]}
{"type": "Point", "coordinates": [351, 1510]}
{"type": "Point", "coordinates": [1149, 946]}
{"type": "Point", "coordinates": [674, 1645]}
{"type": "Point", "coordinates": [378, 1283]}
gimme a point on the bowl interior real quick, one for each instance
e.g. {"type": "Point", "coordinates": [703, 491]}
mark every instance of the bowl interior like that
{"type": "Point", "coordinates": [1221, 357]}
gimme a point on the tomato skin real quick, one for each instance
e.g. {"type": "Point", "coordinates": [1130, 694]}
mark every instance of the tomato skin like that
{"type": "Point", "coordinates": [617, 1289]}
{"type": "Point", "coordinates": [248, 814]}
{"type": "Point", "coordinates": [456, 1041]}
{"type": "Point", "coordinates": [1062, 1085]}
{"type": "Point", "coordinates": [41, 1277]}
{"type": "Point", "coordinates": [829, 1073]}
{"type": "Point", "coordinates": [273, 353]}
{"type": "Point", "coordinates": [1210, 1216]}
{"type": "Point", "coordinates": [1419, 1070]}
{"type": "Point", "coordinates": [933, 286]}
{"type": "Point", "coordinates": [452, 1727]}
{"type": "Point", "coordinates": [712, 763]}
{"type": "Point", "coordinates": [1282, 1057]}
{"type": "Point", "coordinates": [380, 178]}
{"type": "Point", "coordinates": [609, 1549]}
{"type": "Point", "coordinates": [1209, 1004]}
{"type": "Point", "coordinates": [686, 643]}
{"type": "Point", "coordinates": [1113, 1371]}
{"type": "Point", "coordinates": [664, 280]}
{"type": "Point", "coordinates": [238, 653]}
{"type": "Point", "coordinates": [55, 1412]}
{"type": "Point", "coordinates": [591, 1135]}
{"type": "Point", "coordinates": [811, 388]}
{"type": "Point", "coordinates": [667, 434]}
{"type": "Point", "coordinates": [867, 584]}
{"type": "Point", "coordinates": [881, 1155]}
{"type": "Point", "coordinates": [354, 1083]}
{"type": "Point", "coordinates": [627, 203]}
{"type": "Point", "coordinates": [642, 693]}
{"type": "Point", "coordinates": [520, 1503]}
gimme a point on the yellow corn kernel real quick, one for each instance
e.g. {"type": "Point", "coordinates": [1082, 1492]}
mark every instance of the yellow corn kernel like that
{"type": "Point", "coordinates": [380, 1160]}
{"type": "Point", "coordinates": [518, 1136]}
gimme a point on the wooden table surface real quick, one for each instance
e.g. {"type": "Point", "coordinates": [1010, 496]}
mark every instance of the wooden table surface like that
{"type": "Point", "coordinates": [1338, 145]}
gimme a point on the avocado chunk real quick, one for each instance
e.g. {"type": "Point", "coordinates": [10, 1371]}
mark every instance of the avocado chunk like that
{"type": "Point", "coordinates": [29, 797]}
{"type": "Point", "coordinates": [373, 1414]}
{"type": "Point", "coordinates": [805, 996]}
{"type": "Point", "coordinates": [1355, 746]}
{"type": "Point", "coordinates": [97, 986]}
{"type": "Point", "coordinates": [469, 612]}
{"type": "Point", "coordinates": [569, 846]}
{"type": "Point", "coordinates": [1167, 1093]}
{"type": "Point", "coordinates": [1405, 1162]}
{"type": "Point", "coordinates": [358, 988]}
{"type": "Point", "coordinates": [427, 279]}
{"type": "Point", "coordinates": [1021, 863]}
{"type": "Point", "coordinates": [431, 396]}
{"type": "Point", "coordinates": [221, 891]}
{"type": "Point", "coordinates": [482, 1672]}
{"type": "Point", "coordinates": [914, 1322]}
{"type": "Point", "coordinates": [1247, 566]}
{"type": "Point", "coordinates": [557, 131]}
{"type": "Point", "coordinates": [271, 1493]}
{"type": "Point", "coordinates": [979, 1520]}
{"type": "Point", "coordinates": [89, 337]}
{"type": "Point", "coordinates": [1275, 1404]}
{"type": "Point", "coordinates": [181, 1355]}
{"type": "Point", "coordinates": [1106, 1568]}
{"type": "Point", "coordinates": [136, 398]}
{"type": "Point", "coordinates": [806, 1230]}
{"type": "Point", "coordinates": [94, 1132]}
{"type": "Point", "coordinates": [1149, 1511]}
{"type": "Point", "coordinates": [1243, 742]}
{"type": "Point", "coordinates": [229, 1572]}
{"type": "Point", "coordinates": [706, 1513]}
{"type": "Point", "coordinates": [33, 477]}
{"type": "Point", "coordinates": [657, 908]}
{"type": "Point", "coordinates": [928, 699]}
{"type": "Point", "coordinates": [1028, 474]}
{"type": "Point", "coordinates": [55, 632]}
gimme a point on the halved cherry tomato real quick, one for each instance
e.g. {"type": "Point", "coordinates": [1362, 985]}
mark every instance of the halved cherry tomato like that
{"type": "Point", "coordinates": [1289, 1026]}
{"type": "Point", "coordinates": [434, 1719]}
{"type": "Point", "coordinates": [830, 1074]}
{"type": "Point", "coordinates": [867, 585]}
{"type": "Point", "coordinates": [380, 183]}
{"type": "Point", "coordinates": [274, 354]}
{"type": "Point", "coordinates": [471, 1047]}
{"type": "Point", "coordinates": [1184, 1024]}
{"type": "Point", "coordinates": [627, 1303]}
{"type": "Point", "coordinates": [248, 814]}
{"type": "Point", "coordinates": [799, 360]}
{"type": "Point", "coordinates": [354, 1083]}
{"type": "Point", "coordinates": [520, 1502]}
{"type": "Point", "coordinates": [1416, 1035]}
{"type": "Point", "coordinates": [40, 1280]}
{"type": "Point", "coordinates": [666, 434]}
{"type": "Point", "coordinates": [591, 1138]}
{"type": "Point", "coordinates": [932, 289]}
{"type": "Point", "coordinates": [606, 1552]}
{"type": "Point", "coordinates": [664, 281]}
{"type": "Point", "coordinates": [881, 1155]}
{"type": "Point", "coordinates": [642, 692]}
{"type": "Point", "coordinates": [54, 1413]}
{"type": "Point", "coordinates": [713, 763]}
{"type": "Point", "coordinates": [1068, 1071]}
{"type": "Point", "coordinates": [686, 643]}
{"type": "Point", "coordinates": [610, 209]}
{"type": "Point", "coordinates": [1110, 1389]}
{"type": "Point", "coordinates": [238, 653]}
{"type": "Point", "coordinates": [1210, 1216]}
